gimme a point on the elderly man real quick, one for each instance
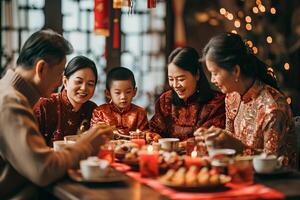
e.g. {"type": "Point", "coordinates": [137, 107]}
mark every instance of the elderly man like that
{"type": "Point", "coordinates": [25, 159]}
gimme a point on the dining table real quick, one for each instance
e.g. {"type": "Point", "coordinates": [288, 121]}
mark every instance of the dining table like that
{"type": "Point", "coordinates": [287, 184]}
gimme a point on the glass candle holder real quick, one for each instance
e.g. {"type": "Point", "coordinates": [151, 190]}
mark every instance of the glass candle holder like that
{"type": "Point", "coordinates": [193, 159]}
{"type": "Point", "coordinates": [149, 162]}
{"type": "Point", "coordinates": [241, 170]}
{"type": "Point", "coordinates": [106, 152]}
{"type": "Point", "coordinates": [138, 137]}
{"type": "Point", "coordinates": [190, 145]}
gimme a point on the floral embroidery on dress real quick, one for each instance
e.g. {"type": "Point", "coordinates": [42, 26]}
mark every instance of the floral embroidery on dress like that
{"type": "Point", "coordinates": [181, 121]}
{"type": "Point", "coordinates": [263, 121]}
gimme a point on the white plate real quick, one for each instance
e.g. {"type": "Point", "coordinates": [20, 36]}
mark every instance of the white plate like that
{"type": "Point", "coordinates": [113, 176]}
{"type": "Point", "coordinates": [277, 172]}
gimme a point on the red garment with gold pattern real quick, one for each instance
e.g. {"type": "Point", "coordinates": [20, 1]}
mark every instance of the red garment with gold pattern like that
{"type": "Point", "coordinates": [129, 119]}
{"type": "Point", "coordinates": [181, 121]}
{"type": "Point", "coordinates": [57, 119]}
{"type": "Point", "coordinates": [262, 120]}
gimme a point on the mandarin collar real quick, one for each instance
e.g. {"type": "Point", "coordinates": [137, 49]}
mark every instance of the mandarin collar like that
{"type": "Point", "coordinates": [66, 101]}
{"type": "Point", "coordinates": [118, 110]}
{"type": "Point", "coordinates": [253, 91]}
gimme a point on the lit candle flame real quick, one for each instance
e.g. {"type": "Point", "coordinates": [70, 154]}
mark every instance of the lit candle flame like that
{"type": "Point", "coordinates": [194, 154]}
{"type": "Point", "coordinates": [150, 148]}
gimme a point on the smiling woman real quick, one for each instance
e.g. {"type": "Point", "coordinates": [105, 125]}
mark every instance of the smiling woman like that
{"type": "Point", "coordinates": [63, 113]}
{"type": "Point", "coordinates": [190, 103]}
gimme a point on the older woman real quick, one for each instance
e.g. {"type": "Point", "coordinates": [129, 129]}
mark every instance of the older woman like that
{"type": "Point", "coordinates": [63, 113]}
{"type": "Point", "coordinates": [257, 114]}
{"type": "Point", "coordinates": [190, 103]}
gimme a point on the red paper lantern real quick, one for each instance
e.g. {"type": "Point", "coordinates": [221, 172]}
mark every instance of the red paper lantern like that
{"type": "Point", "coordinates": [117, 4]}
{"type": "Point", "coordinates": [116, 34]}
{"type": "Point", "coordinates": [151, 4]}
{"type": "Point", "coordinates": [101, 16]}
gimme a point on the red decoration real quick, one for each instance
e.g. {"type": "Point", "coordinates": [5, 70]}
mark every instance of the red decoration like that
{"type": "Point", "coordinates": [117, 4]}
{"type": "Point", "coordinates": [151, 3]}
{"type": "Point", "coordinates": [116, 34]}
{"type": "Point", "coordinates": [179, 29]}
{"type": "Point", "coordinates": [101, 16]}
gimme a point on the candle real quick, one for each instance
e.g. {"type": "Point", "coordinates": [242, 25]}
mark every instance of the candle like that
{"type": "Point", "coordinates": [107, 153]}
{"type": "Point", "coordinates": [193, 159]}
{"type": "Point", "coordinates": [149, 162]}
{"type": "Point", "coordinates": [139, 142]}
{"type": "Point", "coordinates": [137, 137]}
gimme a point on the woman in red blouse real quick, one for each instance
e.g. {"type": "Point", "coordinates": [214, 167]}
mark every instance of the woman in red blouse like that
{"type": "Point", "coordinates": [65, 112]}
{"type": "Point", "coordinates": [191, 103]}
{"type": "Point", "coordinates": [258, 117]}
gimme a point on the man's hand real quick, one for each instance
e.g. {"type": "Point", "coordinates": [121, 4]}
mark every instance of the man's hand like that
{"type": "Point", "coordinates": [97, 136]}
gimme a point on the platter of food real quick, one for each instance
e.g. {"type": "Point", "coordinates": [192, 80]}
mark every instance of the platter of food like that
{"type": "Point", "coordinates": [193, 179]}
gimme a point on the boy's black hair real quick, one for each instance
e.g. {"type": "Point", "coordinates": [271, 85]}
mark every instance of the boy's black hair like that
{"type": "Point", "coordinates": [117, 74]}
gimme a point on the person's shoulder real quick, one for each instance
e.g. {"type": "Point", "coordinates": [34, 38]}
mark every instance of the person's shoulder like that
{"type": "Point", "coordinates": [275, 98]}
{"type": "Point", "coordinates": [102, 107]}
{"type": "Point", "coordinates": [90, 104]}
{"type": "Point", "coordinates": [166, 96]}
{"type": "Point", "coordinates": [137, 108]}
{"type": "Point", "coordinates": [10, 96]}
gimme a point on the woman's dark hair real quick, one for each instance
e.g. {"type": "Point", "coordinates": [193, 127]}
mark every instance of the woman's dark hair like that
{"type": "Point", "coordinates": [187, 58]}
{"type": "Point", "coordinates": [44, 44]}
{"type": "Point", "coordinates": [117, 74]}
{"type": "Point", "coordinates": [228, 50]}
{"type": "Point", "coordinates": [80, 62]}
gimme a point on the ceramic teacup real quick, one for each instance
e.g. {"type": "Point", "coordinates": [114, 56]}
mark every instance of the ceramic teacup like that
{"type": "Point", "coordinates": [169, 144]}
{"type": "Point", "coordinates": [94, 167]}
{"type": "Point", "coordinates": [59, 145]}
{"type": "Point", "coordinates": [71, 138]}
{"type": "Point", "coordinates": [266, 163]}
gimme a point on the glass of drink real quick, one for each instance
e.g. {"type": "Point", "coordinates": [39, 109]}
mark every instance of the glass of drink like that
{"type": "Point", "coordinates": [106, 152]}
{"type": "Point", "coordinates": [241, 170]}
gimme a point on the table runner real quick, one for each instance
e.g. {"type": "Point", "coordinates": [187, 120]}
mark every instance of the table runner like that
{"type": "Point", "coordinates": [241, 192]}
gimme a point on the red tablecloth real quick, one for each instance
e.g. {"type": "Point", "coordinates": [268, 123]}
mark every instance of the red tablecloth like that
{"type": "Point", "coordinates": [241, 192]}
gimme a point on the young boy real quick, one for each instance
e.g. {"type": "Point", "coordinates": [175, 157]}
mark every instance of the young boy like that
{"type": "Point", "coordinates": [126, 116]}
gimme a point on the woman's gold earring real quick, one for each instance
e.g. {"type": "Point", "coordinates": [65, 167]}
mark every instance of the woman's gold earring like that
{"type": "Point", "coordinates": [236, 80]}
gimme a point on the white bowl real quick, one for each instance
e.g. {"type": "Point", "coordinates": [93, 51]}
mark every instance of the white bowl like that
{"type": "Point", "coordinates": [266, 164]}
{"type": "Point", "coordinates": [94, 168]}
{"type": "Point", "coordinates": [221, 152]}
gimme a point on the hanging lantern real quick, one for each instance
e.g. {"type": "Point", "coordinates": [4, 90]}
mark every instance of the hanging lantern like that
{"type": "Point", "coordinates": [151, 3]}
{"type": "Point", "coordinates": [116, 34]}
{"type": "Point", "coordinates": [117, 4]}
{"type": "Point", "coordinates": [101, 17]}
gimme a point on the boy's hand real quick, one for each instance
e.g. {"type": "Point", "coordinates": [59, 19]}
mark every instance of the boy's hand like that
{"type": "Point", "coordinates": [151, 136]}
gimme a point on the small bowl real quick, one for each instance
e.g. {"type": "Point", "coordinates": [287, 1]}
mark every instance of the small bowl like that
{"type": "Point", "coordinates": [94, 168]}
{"type": "Point", "coordinates": [220, 153]}
{"type": "Point", "coordinates": [71, 139]}
{"type": "Point", "coordinates": [169, 144]}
